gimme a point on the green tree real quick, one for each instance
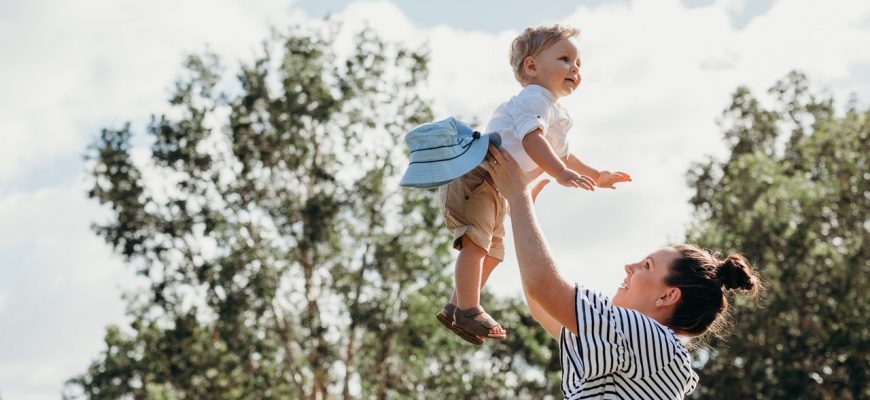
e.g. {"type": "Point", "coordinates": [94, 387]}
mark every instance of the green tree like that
{"type": "Point", "coordinates": [283, 261]}
{"type": "Point", "coordinates": [793, 196]}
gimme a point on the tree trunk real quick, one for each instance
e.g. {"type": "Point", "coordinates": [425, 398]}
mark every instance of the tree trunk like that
{"type": "Point", "coordinates": [389, 343]}
{"type": "Point", "coordinates": [284, 334]}
{"type": "Point", "coordinates": [351, 348]}
{"type": "Point", "coordinates": [383, 366]}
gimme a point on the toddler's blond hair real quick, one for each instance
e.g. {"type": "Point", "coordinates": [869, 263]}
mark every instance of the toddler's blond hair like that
{"type": "Point", "coordinates": [533, 41]}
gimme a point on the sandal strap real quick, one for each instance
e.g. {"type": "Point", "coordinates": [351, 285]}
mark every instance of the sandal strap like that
{"type": "Point", "coordinates": [466, 318]}
{"type": "Point", "coordinates": [468, 313]}
{"type": "Point", "coordinates": [449, 311]}
{"type": "Point", "coordinates": [489, 322]}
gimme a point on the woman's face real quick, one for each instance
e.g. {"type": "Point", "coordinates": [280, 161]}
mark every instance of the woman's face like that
{"type": "Point", "coordinates": [644, 285]}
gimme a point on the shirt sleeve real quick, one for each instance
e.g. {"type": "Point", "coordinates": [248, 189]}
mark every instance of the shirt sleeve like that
{"type": "Point", "coordinates": [613, 339]}
{"type": "Point", "coordinates": [530, 113]}
{"type": "Point", "coordinates": [597, 349]}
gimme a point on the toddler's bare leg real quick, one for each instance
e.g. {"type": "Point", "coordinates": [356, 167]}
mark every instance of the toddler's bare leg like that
{"type": "Point", "coordinates": [473, 267]}
{"type": "Point", "coordinates": [468, 274]}
{"type": "Point", "coordinates": [489, 264]}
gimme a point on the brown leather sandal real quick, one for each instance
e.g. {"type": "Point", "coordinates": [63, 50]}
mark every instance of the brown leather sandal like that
{"type": "Point", "coordinates": [464, 321]}
{"type": "Point", "coordinates": [445, 317]}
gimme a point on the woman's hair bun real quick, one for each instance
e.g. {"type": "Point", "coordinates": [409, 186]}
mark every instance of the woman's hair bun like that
{"type": "Point", "coordinates": [735, 273]}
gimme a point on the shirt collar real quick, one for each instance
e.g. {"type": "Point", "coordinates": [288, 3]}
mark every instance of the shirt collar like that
{"type": "Point", "coordinates": [538, 89]}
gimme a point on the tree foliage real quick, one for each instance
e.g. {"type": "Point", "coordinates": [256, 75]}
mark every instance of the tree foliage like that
{"type": "Point", "coordinates": [281, 258]}
{"type": "Point", "coordinates": [793, 196]}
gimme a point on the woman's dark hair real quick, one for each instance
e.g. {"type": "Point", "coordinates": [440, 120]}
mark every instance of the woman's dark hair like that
{"type": "Point", "coordinates": [704, 279]}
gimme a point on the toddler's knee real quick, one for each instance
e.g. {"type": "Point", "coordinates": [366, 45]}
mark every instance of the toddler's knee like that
{"type": "Point", "coordinates": [468, 246]}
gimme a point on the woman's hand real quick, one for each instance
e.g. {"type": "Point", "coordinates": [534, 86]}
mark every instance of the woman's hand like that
{"type": "Point", "coordinates": [497, 159]}
{"type": "Point", "coordinates": [538, 187]}
{"type": "Point", "coordinates": [507, 175]}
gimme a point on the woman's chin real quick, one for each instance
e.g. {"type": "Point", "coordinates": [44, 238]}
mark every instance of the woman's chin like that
{"type": "Point", "coordinates": [617, 298]}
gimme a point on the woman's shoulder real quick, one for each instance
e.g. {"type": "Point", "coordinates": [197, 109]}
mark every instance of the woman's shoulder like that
{"type": "Point", "coordinates": [634, 327]}
{"type": "Point", "coordinates": [644, 347]}
{"type": "Point", "coordinates": [592, 297]}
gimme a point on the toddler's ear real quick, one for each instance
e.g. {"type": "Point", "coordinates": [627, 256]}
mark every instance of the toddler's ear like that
{"type": "Point", "coordinates": [530, 67]}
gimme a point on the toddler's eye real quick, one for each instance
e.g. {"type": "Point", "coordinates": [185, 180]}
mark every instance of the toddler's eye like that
{"type": "Point", "coordinates": [564, 58]}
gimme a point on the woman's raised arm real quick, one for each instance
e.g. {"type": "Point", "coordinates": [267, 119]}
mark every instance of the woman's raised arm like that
{"type": "Point", "coordinates": [540, 277]}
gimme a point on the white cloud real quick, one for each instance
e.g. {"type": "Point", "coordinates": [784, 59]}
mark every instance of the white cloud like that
{"type": "Point", "coordinates": [77, 66]}
{"type": "Point", "coordinates": [60, 287]}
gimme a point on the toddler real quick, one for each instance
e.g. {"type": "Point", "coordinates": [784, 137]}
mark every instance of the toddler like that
{"type": "Point", "coordinates": [534, 130]}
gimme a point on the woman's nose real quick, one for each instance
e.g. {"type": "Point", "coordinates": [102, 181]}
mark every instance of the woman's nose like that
{"type": "Point", "coordinates": [628, 269]}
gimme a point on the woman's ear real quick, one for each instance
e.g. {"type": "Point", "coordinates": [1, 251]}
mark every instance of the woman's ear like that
{"type": "Point", "coordinates": [530, 67]}
{"type": "Point", "coordinates": [669, 297]}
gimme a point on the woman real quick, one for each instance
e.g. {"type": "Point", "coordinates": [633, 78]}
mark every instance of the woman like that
{"type": "Point", "coordinates": [627, 347]}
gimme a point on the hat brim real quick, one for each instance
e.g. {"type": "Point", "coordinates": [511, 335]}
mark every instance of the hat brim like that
{"type": "Point", "coordinates": [434, 174]}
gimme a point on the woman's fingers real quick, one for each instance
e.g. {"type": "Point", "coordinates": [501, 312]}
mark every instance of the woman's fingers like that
{"type": "Point", "coordinates": [486, 167]}
{"type": "Point", "coordinates": [538, 187]}
{"type": "Point", "coordinates": [492, 160]}
{"type": "Point", "coordinates": [507, 156]}
{"type": "Point", "coordinates": [495, 153]}
{"type": "Point", "coordinates": [501, 155]}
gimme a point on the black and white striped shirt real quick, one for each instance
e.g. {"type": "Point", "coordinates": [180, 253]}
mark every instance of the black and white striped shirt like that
{"type": "Point", "coordinates": [619, 353]}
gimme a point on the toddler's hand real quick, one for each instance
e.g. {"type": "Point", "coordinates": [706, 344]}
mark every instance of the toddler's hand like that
{"type": "Point", "coordinates": [570, 178]}
{"type": "Point", "coordinates": [607, 179]}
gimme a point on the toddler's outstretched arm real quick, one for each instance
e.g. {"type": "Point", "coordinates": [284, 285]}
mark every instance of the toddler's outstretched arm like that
{"type": "Point", "coordinates": [542, 154]}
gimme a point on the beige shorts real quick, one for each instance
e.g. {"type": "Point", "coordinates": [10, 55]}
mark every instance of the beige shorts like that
{"type": "Point", "coordinates": [473, 208]}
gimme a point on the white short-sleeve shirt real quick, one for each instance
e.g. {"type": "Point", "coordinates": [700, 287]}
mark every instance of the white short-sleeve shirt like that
{"type": "Point", "coordinates": [532, 108]}
{"type": "Point", "coordinates": [619, 353]}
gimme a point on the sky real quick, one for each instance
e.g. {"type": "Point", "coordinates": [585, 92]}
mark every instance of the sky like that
{"type": "Point", "coordinates": [656, 76]}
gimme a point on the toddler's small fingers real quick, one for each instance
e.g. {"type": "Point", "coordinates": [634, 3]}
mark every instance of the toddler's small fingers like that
{"type": "Point", "coordinates": [583, 184]}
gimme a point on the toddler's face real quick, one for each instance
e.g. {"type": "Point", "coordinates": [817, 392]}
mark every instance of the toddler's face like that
{"type": "Point", "coordinates": [557, 68]}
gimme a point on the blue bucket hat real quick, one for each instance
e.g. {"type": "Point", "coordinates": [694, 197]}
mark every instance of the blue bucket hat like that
{"type": "Point", "coordinates": [444, 150]}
